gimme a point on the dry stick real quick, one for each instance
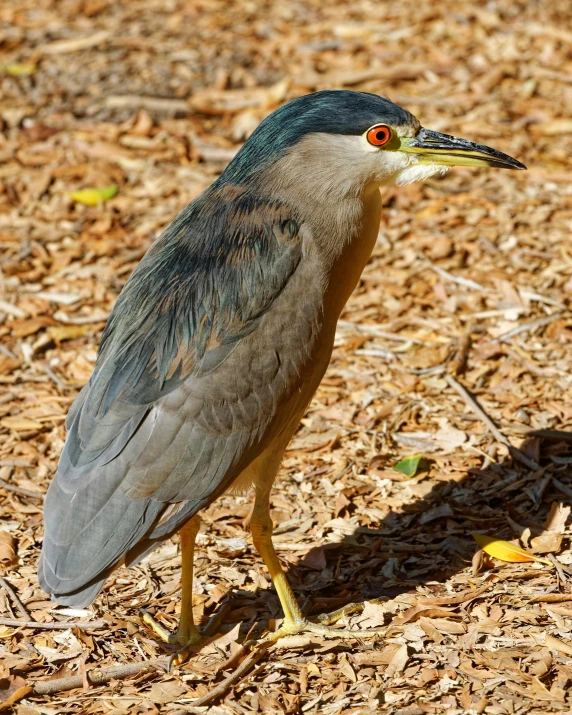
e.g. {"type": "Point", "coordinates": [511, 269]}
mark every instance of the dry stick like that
{"type": "Point", "coordinates": [19, 490]}
{"type": "Point", "coordinates": [456, 279]}
{"type": "Point", "coordinates": [456, 598]}
{"type": "Point", "coordinates": [99, 676]}
{"type": "Point", "coordinates": [565, 489]}
{"type": "Point", "coordinates": [229, 681]}
{"type": "Point", "coordinates": [55, 625]}
{"type": "Point", "coordinates": [558, 566]}
{"type": "Point", "coordinates": [15, 599]}
{"type": "Point", "coordinates": [525, 327]}
{"type": "Point", "coordinates": [497, 434]}
{"type": "Point", "coordinates": [540, 486]}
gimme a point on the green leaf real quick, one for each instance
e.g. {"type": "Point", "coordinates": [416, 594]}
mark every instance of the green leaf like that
{"type": "Point", "coordinates": [93, 197]}
{"type": "Point", "coordinates": [410, 465]}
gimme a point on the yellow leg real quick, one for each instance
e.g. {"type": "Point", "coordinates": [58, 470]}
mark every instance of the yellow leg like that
{"type": "Point", "coordinates": [187, 634]}
{"type": "Point", "coordinates": [261, 529]}
{"type": "Point", "coordinates": [294, 620]}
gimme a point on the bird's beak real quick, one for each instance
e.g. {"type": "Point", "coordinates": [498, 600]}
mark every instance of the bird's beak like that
{"type": "Point", "coordinates": [444, 150]}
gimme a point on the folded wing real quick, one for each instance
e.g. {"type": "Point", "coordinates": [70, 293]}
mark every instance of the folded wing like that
{"type": "Point", "coordinates": [181, 394]}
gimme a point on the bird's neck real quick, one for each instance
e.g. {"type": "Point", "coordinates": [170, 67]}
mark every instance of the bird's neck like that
{"type": "Point", "coordinates": [344, 257]}
{"type": "Point", "coordinates": [339, 218]}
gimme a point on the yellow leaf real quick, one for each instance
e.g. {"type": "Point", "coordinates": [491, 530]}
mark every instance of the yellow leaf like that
{"type": "Point", "coordinates": [93, 197]}
{"type": "Point", "coordinates": [505, 551]}
{"type": "Point", "coordinates": [67, 332]}
{"type": "Point", "coordinates": [20, 69]}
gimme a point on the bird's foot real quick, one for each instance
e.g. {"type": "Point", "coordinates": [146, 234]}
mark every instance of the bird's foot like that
{"type": "Point", "coordinates": [185, 639]}
{"type": "Point", "coordinates": [321, 626]}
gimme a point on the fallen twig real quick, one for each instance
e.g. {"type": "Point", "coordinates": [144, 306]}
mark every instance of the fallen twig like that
{"type": "Point", "coordinates": [565, 489]}
{"type": "Point", "coordinates": [15, 599]}
{"type": "Point", "coordinates": [459, 280]}
{"type": "Point", "coordinates": [16, 462]}
{"type": "Point", "coordinates": [19, 490]}
{"type": "Point", "coordinates": [54, 625]}
{"type": "Point", "coordinates": [99, 676]}
{"type": "Point", "coordinates": [219, 690]}
{"type": "Point", "coordinates": [525, 327]}
{"type": "Point", "coordinates": [152, 104]}
{"type": "Point", "coordinates": [536, 492]}
{"type": "Point", "coordinates": [494, 430]}
{"type": "Point", "coordinates": [456, 598]}
{"type": "Point", "coordinates": [558, 566]}
{"type": "Point", "coordinates": [458, 363]}
{"type": "Point", "coordinates": [216, 619]}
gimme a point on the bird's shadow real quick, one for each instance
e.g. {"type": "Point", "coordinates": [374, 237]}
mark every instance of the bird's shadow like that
{"type": "Point", "coordinates": [426, 544]}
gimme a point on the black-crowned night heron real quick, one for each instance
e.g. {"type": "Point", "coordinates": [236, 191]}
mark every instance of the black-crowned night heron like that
{"type": "Point", "coordinates": [221, 336]}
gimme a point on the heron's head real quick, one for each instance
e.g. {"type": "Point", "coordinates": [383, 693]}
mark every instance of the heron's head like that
{"type": "Point", "coordinates": [340, 141]}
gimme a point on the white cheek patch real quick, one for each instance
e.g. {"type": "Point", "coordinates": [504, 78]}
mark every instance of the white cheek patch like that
{"type": "Point", "coordinates": [418, 172]}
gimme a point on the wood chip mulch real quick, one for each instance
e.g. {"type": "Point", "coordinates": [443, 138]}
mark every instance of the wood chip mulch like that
{"type": "Point", "coordinates": [457, 345]}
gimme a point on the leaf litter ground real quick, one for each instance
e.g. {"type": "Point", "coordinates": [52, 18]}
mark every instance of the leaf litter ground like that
{"type": "Point", "coordinates": [457, 345]}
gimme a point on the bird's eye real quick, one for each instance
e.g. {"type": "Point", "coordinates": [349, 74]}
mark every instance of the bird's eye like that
{"type": "Point", "coordinates": [379, 135]}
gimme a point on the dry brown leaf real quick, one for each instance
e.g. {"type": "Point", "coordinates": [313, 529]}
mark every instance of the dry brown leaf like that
{"type": "Point", "coordinates": [558, 645]}
{"type": "Point", "coordinates": [21, 328]}
{"type": "Point", "coordinates": [8, 556]}
{"type": "Point", "coordinates": [315, 559]}
{"type": "Point", "coordinates": [456, 598]}
{"type": "Point", "coordinates": [20, 424]}
{"type": "Point", "coordinates": [163, 693]}
{"type": "Point", "coordinates": [398, 661]}
{"type": "Point", "coordinates": [552, 598]}
{"type": "Point", "coordinates": [546, 543]}
{"type": "Point", "coordinates": [443, 625]}
{"type": "Point", "coordinates": [477, 562]}
{"type": "Point", "coordinates": [7, 363]}
{"type": "Point", "coordinates": [550, 540]}
{"type": "Point", "coordinates": [430, 630]}
{"type": "Point", "coordinates": [416, 612]}
{"type": "Point", "coordinates": [557, 518]}
{"type": "Point", "coordinates": [535, 689]}
{"type": "Point", "coordinates": [376, 657]}
{"type": "Point", "coordinates": [12, 689]}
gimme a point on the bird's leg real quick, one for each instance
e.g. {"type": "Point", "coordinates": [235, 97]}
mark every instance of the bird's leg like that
{"type": "Point", "coordinates": [294, 619]}
{"type": "Point", "coordinates": [261, 530]}
{"type": "Point", "coordinates": [187, 634]}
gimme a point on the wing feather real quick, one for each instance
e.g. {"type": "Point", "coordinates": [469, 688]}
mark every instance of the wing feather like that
{"type": "Point", "coordinates": [166, 417]}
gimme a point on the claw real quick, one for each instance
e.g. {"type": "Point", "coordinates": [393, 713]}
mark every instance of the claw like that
{"type": "Point", "coordinates": [186, 640]}
{"type": "Point", "coordinates": [304, 626]}
{"type": "Point", "coordinates": [321, 626]}
{"type": "Point", "coordinates": [181, 656]}
{"type": "Point", "coordinates": [157, 628]}
{"type": "Point", "coordinates": [327, 619]}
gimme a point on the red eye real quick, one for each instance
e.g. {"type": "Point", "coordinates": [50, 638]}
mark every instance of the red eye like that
{"type": "Point", "coordinates": [379, 135]}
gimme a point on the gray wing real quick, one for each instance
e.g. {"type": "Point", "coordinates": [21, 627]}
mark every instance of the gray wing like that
{"type": "Point", "coordinates": [181, 394]}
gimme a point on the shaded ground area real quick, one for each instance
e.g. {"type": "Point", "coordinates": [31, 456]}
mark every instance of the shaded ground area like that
{"type": "Point", "coordinates": [469, 286]}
